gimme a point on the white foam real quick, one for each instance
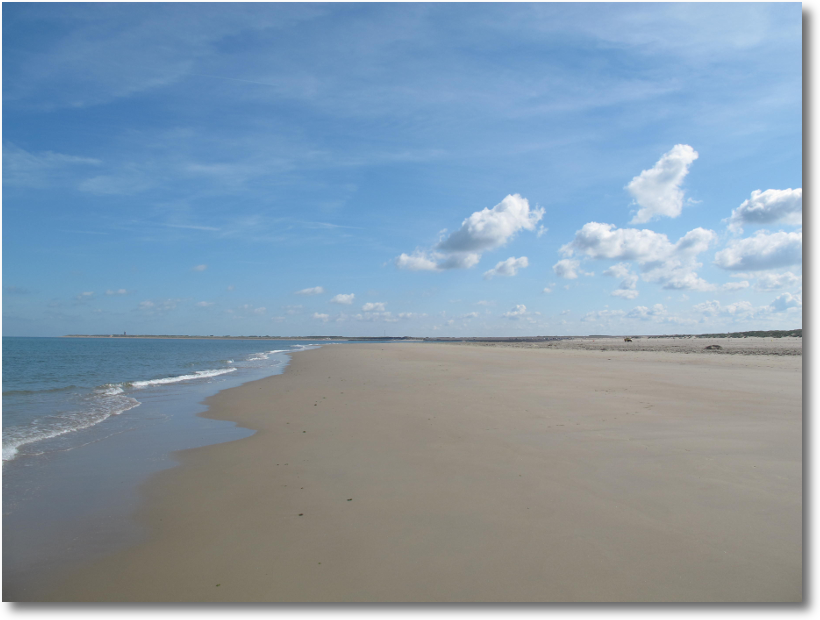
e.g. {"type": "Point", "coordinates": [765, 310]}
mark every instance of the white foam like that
{"type": "Point", "coordinates": [263, 356]}
{"type": "Point", "coordinates": [199, 374]}
{"type": "Point", "coordinates": [104, 408]}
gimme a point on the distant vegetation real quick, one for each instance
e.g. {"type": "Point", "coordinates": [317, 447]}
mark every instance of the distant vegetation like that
{"type": "Point", "coordinates": [773, 333]}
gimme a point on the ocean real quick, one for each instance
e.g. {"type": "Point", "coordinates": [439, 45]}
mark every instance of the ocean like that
{"type": "Point", "coordinates": [87, 420]}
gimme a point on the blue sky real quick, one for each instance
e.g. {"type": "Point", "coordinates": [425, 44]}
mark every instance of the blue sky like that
{"type": "Point", "coordinates": [408, 169]}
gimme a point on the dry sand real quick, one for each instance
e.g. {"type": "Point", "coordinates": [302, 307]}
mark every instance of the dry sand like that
{"type": "Point", "coordinates": [685, 344]}
{"type": "Point", "coordinates": [438, 472]}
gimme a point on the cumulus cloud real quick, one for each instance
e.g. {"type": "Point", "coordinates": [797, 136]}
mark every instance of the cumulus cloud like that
{"type": "Point", "coordinates": [735, 286]}
{"type": "Point", "coordinates": [200, 268]}
{"type": "Point", "coordinates": [763, 251]}
{"type": "Point", "coordinates": [567, 268]}
{"type": "Point", "coordinates": [629, 282]}
{"type": "Point", "coordinates": [671, 264]}
{"type": "Point", "coordinates": [644, 313]}
{"type": "Point", "coordinates": [775, 281]}
{"type": "Point", "coordinates": [507, 267]}
{"type": "Point", "coordinates": [316, 290]}
{"type": "Point", "coordinates": [517, 312]}
{"type": "Point", "coordinates": [491, 228]}
{"type": "Point", "coordinates": [119, 291]}
{"type": "Point", "coordinates": [785, 301]}
{"type": "Point", "coordinates": [783, 206]}
{"type": "Point", "coordinates": [373, 306]}
{"type": "Point", "coordinates": [657, 190]}
{"type": "Point", "coordinates": [483, 230]}
{"type": "Point", "coordinates": [745, 310]}
{"type": "Point", "coordinates": [342, 298]}
{"type": "Point", "coordinates": [606, 241]}
{"type": "Point", "coordinates": [422, 260]}
{"type": "Point", "coordinates": [86, 296]}
{"type": "Point", "coordinates": [321, 317]}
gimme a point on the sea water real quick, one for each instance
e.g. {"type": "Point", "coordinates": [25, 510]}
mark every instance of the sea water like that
{"type": "Point", "coordinates": [87, 420]}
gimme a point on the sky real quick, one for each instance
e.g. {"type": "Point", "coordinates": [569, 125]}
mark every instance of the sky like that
{"type": "Point", "coordinates": [401, 169]}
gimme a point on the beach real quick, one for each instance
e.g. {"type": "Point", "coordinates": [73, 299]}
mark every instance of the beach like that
{"type": "Point", "coordinates": [427, 472]}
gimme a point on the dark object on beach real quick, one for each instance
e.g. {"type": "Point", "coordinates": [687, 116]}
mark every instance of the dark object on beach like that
{"type": "Point", "coordinates": [627, 339]}
{"type": "Point", "coordinates": [350, 500]}
{"type": "Point", "coordinates": [713, 347]}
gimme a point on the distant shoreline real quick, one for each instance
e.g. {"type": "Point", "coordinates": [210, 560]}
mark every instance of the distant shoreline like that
{"type": "Point", "coordinates": [777, 333]}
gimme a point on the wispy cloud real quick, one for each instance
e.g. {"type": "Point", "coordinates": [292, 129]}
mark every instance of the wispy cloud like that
{"type": "Point", "coordinates": [316, 290]}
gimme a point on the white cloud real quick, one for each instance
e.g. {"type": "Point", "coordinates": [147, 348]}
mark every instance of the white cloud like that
{"type": "Point", "coordinates": [483, 230]}
{"type": "Point", "coordinates": [86, 296]}
{"type": "Point", "coordinates": [200, 268]}
{"type": "Point", "coordinates": [469, 315]}
{"type": "Point", "coordinates": [710, 308]}
{"type": "Point", "coordinates": [417, 261]}
{"type": "Point", "coordinates": [316, 290]}
{"type": "Point", "coordinates": [600, 241]}
{"type": "Point", "coordinates": [518, 311]}
{"type": "Point", "coordinates": [566, 268]}
{"type": "Point", "coordinates": [231, 287]}
{"type": "Point", "coordinates": [507, 267]}
{"type": "Point", "coordinates": [484, 303]}
{"type": "Point", "coordinates": [547, 290]}
{"type": "Point", "coordinates": [735, 286]}
{"type": "Point", "coordinates": [21, 167]}
{"type": "Point", "coordinates": [774, 281]}
{"type": "Point", "coordinates": [740, 309]}
{"type": "Point", "coordinates": [645, 314]}
{"type": "Point", "coordinates": [491, 228]}
{"type": "Point", "coordinates": [597, 315]}
{"type": "Point", "coordinates": [373, 307]}
{"type": "Point", "coordinates": [657, 191]}
{"type": "Point", "coordinates": [321, 317]}
{"type": "Point", "coordinates": [763, 251]}
{"type": "Point", "coordinates": [248, 308]}
{"type": "Point", "coordinates": [411, 315]}
{"type": "Point", "coordinates": [783, 206]}
{"type": "Point", "coordinates": [120, 291]}
{"type": "Point", "coordinates": [628, 284]}
{"type": "Point", "coordinates": [291, 310]}
{"type": "Point", "coordinates": [625, 293]}
{"type": "Point", "coordinates": [671, 264]}
{"type": "Point", "coordinates": [159, 307]}
{"type": "Point", "coordinates": [342, 298]}
{"type": "Point", "coordinates": [785, 301]}
{"type": "Point", "coordinates": [204, 304]}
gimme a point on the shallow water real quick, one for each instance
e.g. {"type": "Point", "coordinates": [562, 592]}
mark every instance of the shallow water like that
{"type": "Point", "coordinates": [86, 421]}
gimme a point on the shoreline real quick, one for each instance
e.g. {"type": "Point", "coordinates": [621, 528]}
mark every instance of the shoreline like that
{"type": "Point", "coordinates": [513, 475]}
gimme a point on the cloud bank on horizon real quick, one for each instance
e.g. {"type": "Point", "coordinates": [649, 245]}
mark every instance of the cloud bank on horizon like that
{"type": "Point", "coordinates": [418, 169]}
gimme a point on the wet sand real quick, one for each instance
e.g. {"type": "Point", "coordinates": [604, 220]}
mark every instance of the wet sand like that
{"type": "Point", "coordinates": [441, 472]}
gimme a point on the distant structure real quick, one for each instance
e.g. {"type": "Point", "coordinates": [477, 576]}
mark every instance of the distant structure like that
{"type": "Point", "coordinates": [627, 339]}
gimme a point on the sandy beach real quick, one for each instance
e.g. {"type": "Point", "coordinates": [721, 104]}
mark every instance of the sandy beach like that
{"type": "Point", "coordinates": [421, 472]}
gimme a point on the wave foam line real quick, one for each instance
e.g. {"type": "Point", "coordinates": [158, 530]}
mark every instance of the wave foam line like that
{"type": "Point", "coordinates": [15, 438]}
{"type": "Point", "coordinates": [199, 374]}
